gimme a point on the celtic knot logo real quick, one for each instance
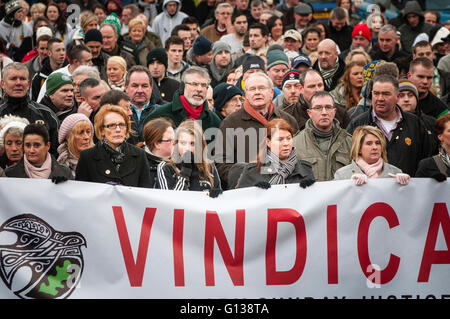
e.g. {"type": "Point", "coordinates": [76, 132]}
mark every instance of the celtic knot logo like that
{"type": "Point", "coordinates": [36, 261]}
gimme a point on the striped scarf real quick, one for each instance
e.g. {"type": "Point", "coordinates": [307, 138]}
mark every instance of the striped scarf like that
{"type": "Point", "coordinates": [327, 75]}
{"type": "Point", "coordinates": [282, 169]}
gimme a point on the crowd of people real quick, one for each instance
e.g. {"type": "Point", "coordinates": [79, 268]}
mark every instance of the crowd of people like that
{"type": "Point", "coordinates": [218, 95]}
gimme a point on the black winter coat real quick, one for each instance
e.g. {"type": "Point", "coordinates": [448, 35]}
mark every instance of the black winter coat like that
{"type": "Point", "coordinates": [428, 168]}
{"type": "Point", "coordinates": [168, 178]}
{"type": "Point", "coordinates": [96, 166]}
{"type": "Point", "coordinates": [249, 177]}
{"type": "Point", "coordinates": [18, 170]}
{"type": "Point", "coordinates": [34, 113]}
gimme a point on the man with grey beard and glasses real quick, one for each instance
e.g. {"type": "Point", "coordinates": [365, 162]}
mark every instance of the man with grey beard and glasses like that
{"type": "Point", "coordinates": [189, 102]}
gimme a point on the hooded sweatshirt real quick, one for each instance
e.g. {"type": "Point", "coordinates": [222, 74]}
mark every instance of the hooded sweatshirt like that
{"type": "Point", "coordinates": [164, 22]}
{"type": "Point", "coordinates": [408, 33]}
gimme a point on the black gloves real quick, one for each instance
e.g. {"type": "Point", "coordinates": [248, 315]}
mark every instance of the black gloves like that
{"type": "Point", "coordinates": [215, 192]}
{"type": "Point", "coordinates": [263, 185]}
{"type": "Point", "coordinates": [439, 177]}
{"type": "Point", "coordinates": [187, 164]}
{"type": "Point", "coordinates": [307, 182]}
{"type": "Point", "coordinates": [59, 179]}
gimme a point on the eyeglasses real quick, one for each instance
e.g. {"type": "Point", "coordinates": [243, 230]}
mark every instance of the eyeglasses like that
{"type": "Point", "coordinates": [115, 125]}
{"type": "Point", "coordinates": [259, 88]}
{"type": "Point", "coordinates": [203, 85]}
{"type": "Point", "coordinates": [327, 108]}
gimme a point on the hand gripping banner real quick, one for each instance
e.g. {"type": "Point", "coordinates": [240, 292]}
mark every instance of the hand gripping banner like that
{"type": "Point", "coordinates": [333, 239]}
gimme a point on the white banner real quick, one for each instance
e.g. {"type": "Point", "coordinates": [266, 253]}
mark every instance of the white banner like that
{"type": "Point", "coordinates": [333, 239]}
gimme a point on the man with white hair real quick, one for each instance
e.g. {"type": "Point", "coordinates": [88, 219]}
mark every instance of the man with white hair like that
{"type": "Point", "coordinates": [222, 25]}
{"type": "Point", "coordinates": [240, 130]}
{"type": "Point", "coordinates": [328, 63]}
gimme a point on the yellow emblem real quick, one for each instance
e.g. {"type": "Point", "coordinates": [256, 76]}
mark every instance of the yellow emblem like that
{"type": "Point", "coordinates": [408, 141]}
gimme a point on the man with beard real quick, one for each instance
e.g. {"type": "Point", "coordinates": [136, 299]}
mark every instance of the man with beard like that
{"type": "Point", "coordinates": [189, 102]}
{"type": "Point", "coordinates": [221, 63]}
{"type": "Point", "coordinates": [235, 39]}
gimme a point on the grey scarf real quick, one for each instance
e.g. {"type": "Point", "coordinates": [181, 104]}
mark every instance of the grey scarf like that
{"type": "Point", "coordinates": [282, 169]}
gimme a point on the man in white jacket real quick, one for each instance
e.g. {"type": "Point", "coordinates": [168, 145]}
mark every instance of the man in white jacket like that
{"type": "Point", "coordinates": [168, 19]}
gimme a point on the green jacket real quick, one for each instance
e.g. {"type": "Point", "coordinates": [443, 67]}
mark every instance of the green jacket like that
{"type": "Point", "coordinates": [323, 166]}
{"type": "Point", "coordinates": [176, 112]}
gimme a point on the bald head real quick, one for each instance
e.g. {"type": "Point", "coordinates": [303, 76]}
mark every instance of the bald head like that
{"type": "Point", "coordinates": [327, 54]}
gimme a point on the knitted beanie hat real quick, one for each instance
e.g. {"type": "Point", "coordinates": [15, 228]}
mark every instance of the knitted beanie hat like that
{"type": "Point", "coordinates": [406, 85]}
{"type": "Point", "coordinates": [114, 20]}
{"type": "Point", "coordinates": [68, 123]}
{"type": "Point", "coordinates": [291, 76]}
{"type": "Point", "coordinates": [253, 62]}
{"type": "Point", "coordinates": [55, 81]}
{"type": "Point", "coordinates": [363, 30]}
{"type": "Point", "coordinates": [277, 57]}
{"type": "Point", "coordinates": [12, 6]}
{"type": "Point", "coordinates": [157, 54]}
{"type": "Point", "coordinates": [201, 45]}
{"type": "Point", "coordinates": [93, 35]}
{"type": "Point", "coordinates": [219, 47]}
{"type": "Point", "coordinates": [222, 93]}
{"type": "Point", "coordinates": [9, 121]}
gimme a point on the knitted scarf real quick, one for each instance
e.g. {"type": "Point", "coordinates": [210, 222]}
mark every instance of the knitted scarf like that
{"type": "Point", "coordinates": [43, 171]}
{"type": "Point", "coordinates": [371, 170]}
{"type": "Point", "coordinates": [328, 74]}
{"type": "Point", "coordinates": [257, 115]}
{"type": "Point", "coordinates": [192, 113]}
{"type": "Point", "coordinates": [282, 169]}
{"type": "Point", "coordinates": [67, 158]}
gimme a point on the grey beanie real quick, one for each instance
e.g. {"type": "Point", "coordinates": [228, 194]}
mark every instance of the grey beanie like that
{"type": "Point", "coordinates": [220, 46]}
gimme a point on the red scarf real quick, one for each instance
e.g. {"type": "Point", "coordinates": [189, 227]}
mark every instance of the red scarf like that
{"type": "Point", "coordinates": [257, 115]}
{"type": "Point", "coordinates": [192, 113]}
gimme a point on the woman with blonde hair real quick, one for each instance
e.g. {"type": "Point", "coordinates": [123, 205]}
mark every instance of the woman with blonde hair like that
{"type": "Point", "coordinates": [75, 134]}
{"type": "Point", "coordinates": [112, 160]}
{"type": "Point", "coordinates": [88, 21]}
{"type": "Point", "coordinates": [116, 70]}
{"type": "Point", "coordinates": [137, 41]}
{"type": "Point", "coordinates": [189, 168]}
{"type": "Point", "coordinates": [369, 158]}
{"type": "Point", "coordinates": [358, 54]}
{"type": "Point", "coordinates": [348, 90]}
